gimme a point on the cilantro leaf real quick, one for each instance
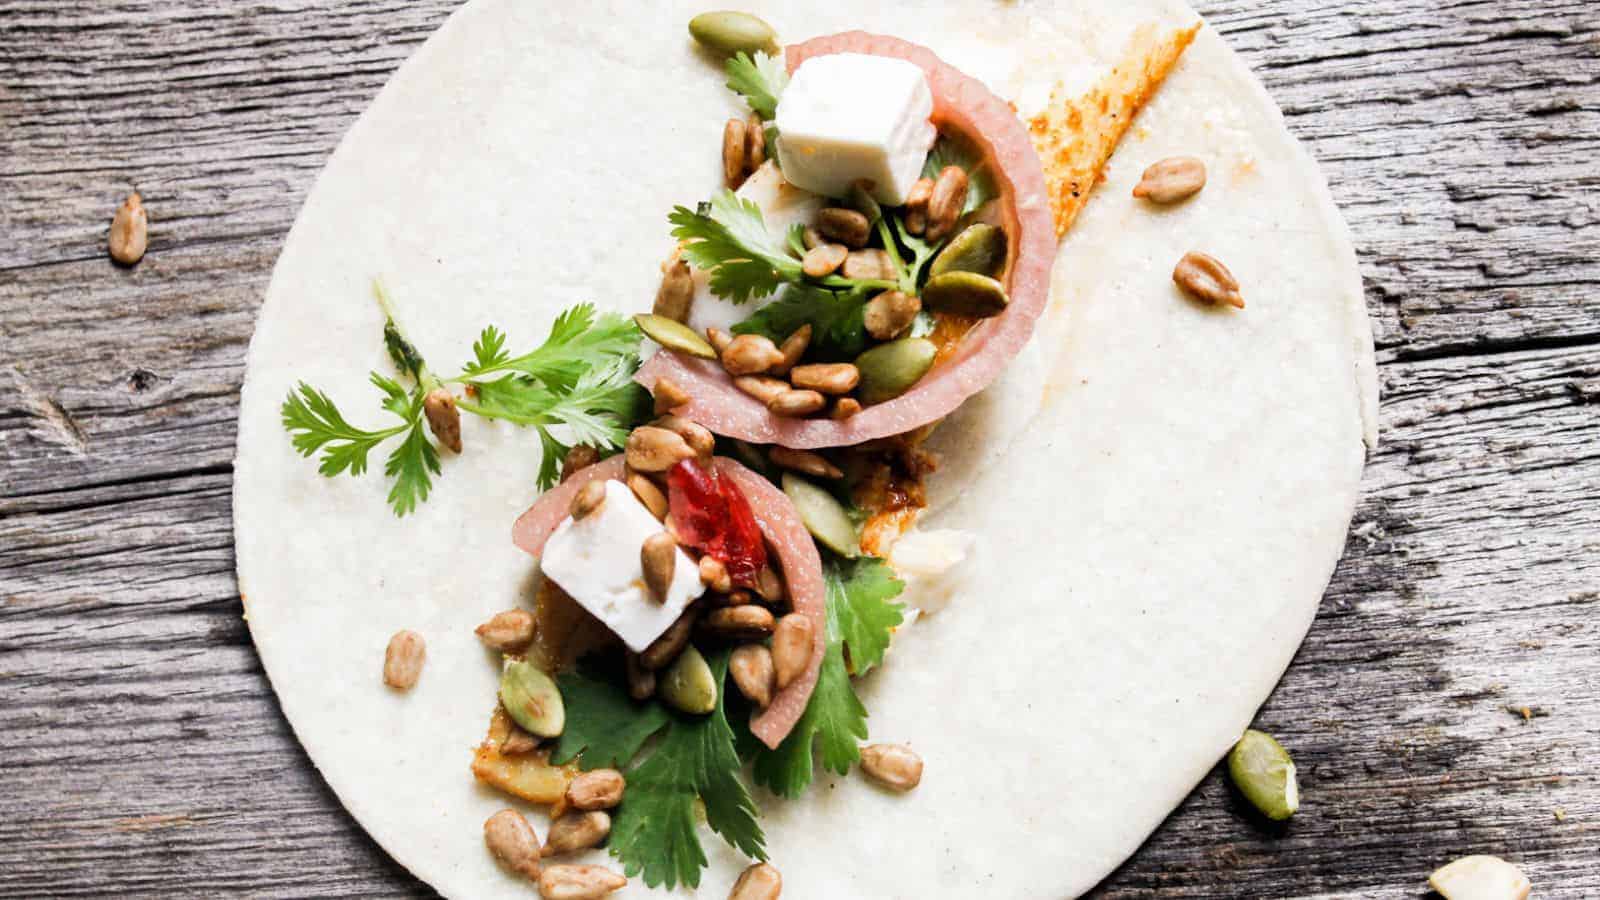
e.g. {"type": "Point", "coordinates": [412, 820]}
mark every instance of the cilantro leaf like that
{"type": "Point", "coordinates": [315, 423]}
{"type": "Point", "coordinates": [603, 724]}
{"type": "Point", "coordinates": [411, 465]}
{"type": "Point", "coordinates": [654, 832]}
{"type": "Point", "coordinates": [579, 340]}
{"type": "Point", "coordinates": [760, 80]}
{"type": "Point", "coordinates": [860, 620]}
{"type": "Point", "coordinates": [489, 350]}
{"type": "Point", "coordinates": [729, 239]}
{"type": "Point", "coordinates": [835, 317]}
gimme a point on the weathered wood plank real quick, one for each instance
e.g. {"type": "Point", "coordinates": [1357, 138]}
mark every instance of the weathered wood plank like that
{"type": "Point", "coordinates": [1460, 141]}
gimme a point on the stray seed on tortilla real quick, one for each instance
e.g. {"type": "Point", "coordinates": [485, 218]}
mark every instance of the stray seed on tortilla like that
{"type": "Point", "coordinates": [751, 667]}
{"type": "Point", "coordinates": [510, 838]}
{"type": "Point", "coordinates": [1480, 877]}
{"type": "Point", "coordinates": [402, 660]}
{"type": "Point", "coordinates": [823, 260]}
{"type": "Point", "coordinates": [599, 789]}
{"type": "Point", "coordinates": [895, 766]}
{"type": "Point", "coordinates": [579, 457]}
{"type": "Point", "coordinates": [588, 499]}
{"type": "Point", "coordinates": [1171, 180]}
{"type": "Point", "coordinates": [871, 264]}
{"type": "Point", "coordinates": [714, 574]}
{"type": "Point", "coordinates": [733, 168]}
{"type": "Point", "coordinates": [793, 348]}
{"type": "Point", "coordinates": [579, 882]}
{"type": "Point", "coordinates": [666, 648]}
{"type": "Point", "coordinates": [1206, 279]}
{"type": "Point", "coordinates": [947, 202]}
{"type": "Point", "coordinates": [676, 294]}
{"type": "Point", "coordinates": [740, 623]}
{"type": "Point", "coordinates": [444, 420]}
{"type": "Point", "coordinates": [130, 231]}
{"type": "Point", "coordinates": [649, 495]}
{"type": "Point", "coordinates": [889, 314]}
{"type": "Point", "coordinates": [755, 143]}
{"type": "Point", "coordinates": [759, 882]}
{"type": "Point", "coordinates": [917, 205]}
{"type": "Point", "coordinates": [761, 387]}
{"type": "Point", "coordinates": [729, 32]}
{"type": "Point", "coordinates": [652, 449]}
{"type": "Point", "coordinates": [508, 632]}
{"type": "Point", "coordinates": [577, 831]}
{"type": "Point", "coordinates": [804, 461]}
{"type": "Point", "coordinates": [688, 684]}
{"type": "Point", "coordinates": [669, 395]}
{"type": "Point", "coordinates": [532, 699]}
{"type": "Point", "coordinates": [794, 403]}
{"type": "Point", "coordinates": [751, 354]}
{"type": "Point", "coordinates": [846, 226]}
{"type": "Point", "coordinates": [641, 681]}
{"type": "Point", "coordinates": [845, 407]}
{"type": "Point", "coordinates": [791, 648]}
{"type": "Point", "coordinates": [658, 557]}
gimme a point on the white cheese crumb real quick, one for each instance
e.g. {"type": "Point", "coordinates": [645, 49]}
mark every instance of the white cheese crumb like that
{"type": "Point", "coordinates": [930, 563]}
{"type": "Point", "coordinates": [596, 560]}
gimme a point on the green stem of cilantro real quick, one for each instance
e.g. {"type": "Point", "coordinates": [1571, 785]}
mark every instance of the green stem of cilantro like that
{"type": "Point", "coordinates": [404, 352]}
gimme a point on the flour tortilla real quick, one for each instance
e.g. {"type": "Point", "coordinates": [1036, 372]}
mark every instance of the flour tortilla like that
{"type": "Point", "coordinates": [1159, 491]}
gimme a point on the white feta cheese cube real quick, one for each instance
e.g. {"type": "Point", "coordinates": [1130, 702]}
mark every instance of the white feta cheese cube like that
{"type": "Point", "coordinates": [782, 205]}
{"type": "Point", "coordinates": [596, 560]}
{"type": "Point", "coordinates": [850, 116]}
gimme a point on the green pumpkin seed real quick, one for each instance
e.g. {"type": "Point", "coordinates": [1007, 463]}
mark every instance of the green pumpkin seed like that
{"type": "Point", "coordinates": [674, 336]}
{"type": "Point", "coordinates": [965, 294]}
{"type": "Point", "coordinates": [688, 684]}
{"type": "Point", "coordinates": [532, 699]}
{"type": "Point", "coordinates": [889, 370]}
{"type": "Point", "coordinates": [979, 248]}
{"type": "Point", "coordinates": [729, 32]}
{"type": "Point", "coordinates": [824, 516]}
{"type": "Point", "coordinates": [1264, 773]}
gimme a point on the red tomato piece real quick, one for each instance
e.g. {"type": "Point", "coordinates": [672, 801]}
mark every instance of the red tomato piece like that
{"type": "Point", "coordinates": [710, 514]}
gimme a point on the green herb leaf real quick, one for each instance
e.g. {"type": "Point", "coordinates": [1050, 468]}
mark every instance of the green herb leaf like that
{"type": "Point", "coordinates": [835, 317]}
{"type": "Point", "coordinates": [315, 423]}
{"type": "Point", "coordinates": [411, 465]}
{"type": "Point", "coordinates": [604, 724]}
{"type": "Point", "coordinates": [760, 80]}
{"type": "Point", "coordinates": [730, 240]}
{"type": "Point", "coordinates": [579, 341]}
{"type": "Point", "coordinates": [862, 589]}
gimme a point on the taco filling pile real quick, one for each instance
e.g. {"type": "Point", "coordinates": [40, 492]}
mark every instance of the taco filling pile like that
{"type": "Point", "coordinates": [727, 477]}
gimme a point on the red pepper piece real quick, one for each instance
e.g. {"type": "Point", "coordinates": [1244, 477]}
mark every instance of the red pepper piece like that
{"type": "Point", "coordinates": [710, 514]}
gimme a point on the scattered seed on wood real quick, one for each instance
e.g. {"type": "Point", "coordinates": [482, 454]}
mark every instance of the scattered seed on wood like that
{"type": "Point", "coordinates": [599, 789]}
{"type": "Point", "coordinates": [1206, 279]}
{"type": "Point", "coordinates": [751, 667]}
{"type": "Point", "coordinates": [579, 882]}
{"type": "Point", "coordinates": [792, 640]}
{"type": "Point", "coordinates": [130, 231]}
{"type": "Point", "coordinates": [577, 831]}
{"type": "Point", "coordinates": [403, 659]}
{"type": "Point", "coordinates": [895, 766]}
{"type": "Point", "coordinates": [845, 226]}
{"type": "Point", "coordinates": [511, 840]}
{"type": "Point", "coordinates": [588, 499]}
{"type": "Point", "coordinates": [759, 882]}
{"type": "Point", "coordinates": [508, 632]}
{"type": "Point", "coordinates": [1171, 180]}
{"type": "Point", "coordinates": [676, 294]}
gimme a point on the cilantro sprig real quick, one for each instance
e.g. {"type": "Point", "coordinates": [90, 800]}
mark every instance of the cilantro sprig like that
{"type": "Point", "coordinates": [579, 379]}
{"type": "Point", "coordinates": [759, 79]}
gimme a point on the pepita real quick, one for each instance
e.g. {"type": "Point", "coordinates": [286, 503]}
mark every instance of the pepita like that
{"type": "Point", "coordinates": [889, 370]}
{"type": "Point", "coordinates": [965, 294]}
{"type": "Point", "coordinates": [979, 248]}
{"type": "Point", "coordinates": [751, 667]}
{"type": "Point", "coordinates": [688, 684]}
{"type": "Point", "coordinates": [674, 336]}
{"type": "Point", "coordinates": [532, 699]}
{"type": "Point", "coordinates": [1264, 774]}
{"type": "Point", "coordinates": [823, 515]}
{"type": "Point", "coordinates": [729, 32]}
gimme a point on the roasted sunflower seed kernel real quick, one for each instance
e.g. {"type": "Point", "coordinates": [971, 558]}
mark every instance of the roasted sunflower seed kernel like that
{"type": "Point", "coordinates": [870, 264]}
{"type": "Point", "coordinates": [402, 660]}
{"type": "Point", "coordinates": [652, 449]}
{"type": "Point", "coordinates": [577, 831]}
{"type": "Point", "coordinates": [793, 348]}
{"type": "Point", "coordinates": [1171, 180]}
{"type": "Point", "coordinates": [844, 408]}
{"type": "Point", "coordinates": [740, 623]}
{"type": "Point", "coordinates": [579, 882]}
{"type": "Point", "coordinates": [1206, 279]}
{"type": "Point", "coordinates": [581, 456]}
{"type": "Point", "coordinates": [917, 205]}
{"type": "Point", "coordinates": [676, 294]}
{"type": "Point", "coordinates": [812, 238]}
{"type": "Point", "coordinates": [599, 789]}
{"type": "Point", "coordinates": [508, 632]}
{"type": "Point", "coordinates": [648, 494]}
{"type": "Point", "coordinates": [518, 741]}
{"type": "Point", "coordinates": [845, 226]}
{"type": "Point", "coordinates": [759, 882]}
{"type": "Point", "coordinates": [697, 436]}
{"type": "Point", "coordinates": [714, 574]}
{"type": "Point", "coordinates": [130, 231]}
{"type": "Point", "coordinates": [894, 766]}
{"type": "Point", "coordinates": [947, 202]}
{"type": "Point", "coordinates": [795, 404]}
{"type": "Point", "coordinates": [769, 586]}
{"type": "Point", "coordinates": [658, 558]}
{"type": "Point", "coordinates": [718, 339]}
{"type": "Point", "coordinates": [755, 143]}
{"type": "Point", "coordinates": [641, 681]}
{"type": "Point", "coordinates": [444, 420]}
{"type": "Point", "coordinates": [511, 840]}
{"type": "Point", "coordinates": [733, 152]}
{"type": "Point", "coordinates": [589, 498]}
{"type": "Point", "coordinates": [670, 395]}
{"type": "Point", "coordinates": [824, 260]}
{"type": "Point", "coordinates": [804, 461]}
{"type": "Point", "coordinates": [666, 648]}
{"type": "Point", "coordinates": [762, 387]}
{"type": "Point", "coordinates": [887, 315]}
{"type": "Point", "coordinates": [751, 354]}
{"type": "Point", "coordinates": [826, 378]}
{"type": "Point", "coordinates": [751, 667]}
{"type": "Point", "coordinates": [792, 642]}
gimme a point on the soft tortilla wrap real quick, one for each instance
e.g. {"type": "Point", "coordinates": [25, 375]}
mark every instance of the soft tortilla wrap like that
{"type": "Point", "coordinates": [1159, 491]}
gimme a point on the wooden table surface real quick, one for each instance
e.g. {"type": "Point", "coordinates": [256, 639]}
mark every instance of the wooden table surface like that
{"type": "Point", "coordinates": [1447, 700]}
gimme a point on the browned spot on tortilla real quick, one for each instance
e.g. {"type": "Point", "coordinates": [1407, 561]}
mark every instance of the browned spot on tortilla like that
{"type": "Point", "coordinates": [1076, 135]}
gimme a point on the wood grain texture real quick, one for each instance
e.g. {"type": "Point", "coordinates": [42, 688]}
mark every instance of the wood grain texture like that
{"type": "Point", "coordinates": [142, 753]}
